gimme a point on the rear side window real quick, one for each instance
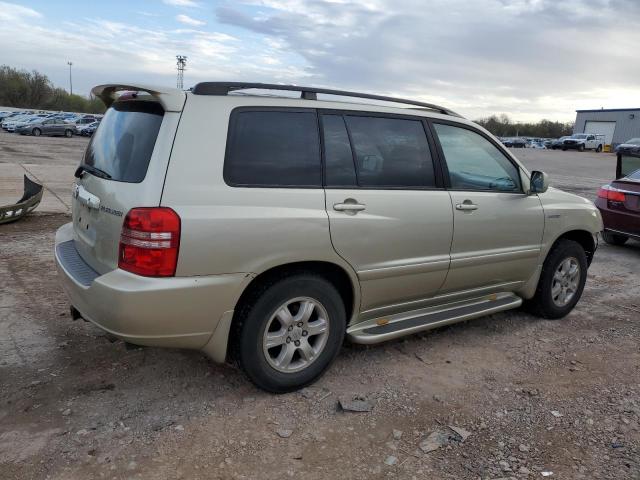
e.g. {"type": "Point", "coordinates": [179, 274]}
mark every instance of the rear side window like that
{"type": "Point", "coordinates": [390, 152]}
{"type": "Point", "coordinates": [273, 148]}
{"type": "Point", "coordinates": [123, 144]}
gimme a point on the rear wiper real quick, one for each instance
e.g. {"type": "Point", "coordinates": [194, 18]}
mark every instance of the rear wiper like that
{"type": "Point", "coordinates": [92, 170]}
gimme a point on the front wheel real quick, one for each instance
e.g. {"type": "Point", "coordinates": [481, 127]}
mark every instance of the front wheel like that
{"type": "Point", "coordinates": [68, 133]}
{"type": "Point", "coordinates": [36, 132]}
{"type": "Point", "coordinates": [581, 148]}
{"type": "Point", "coordinates": [562, 280]}
{"type": "Point", "coordinates": [614, 238]}
{"type": "Point", "coordinates": [289, 332]}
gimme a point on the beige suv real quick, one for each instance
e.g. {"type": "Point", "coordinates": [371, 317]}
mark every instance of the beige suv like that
{"type": "Point", "coordinates": [268, 228]}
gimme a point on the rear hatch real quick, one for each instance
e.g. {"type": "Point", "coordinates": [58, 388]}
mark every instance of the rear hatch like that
{"type": "Point", "coordinates": [123, 167]}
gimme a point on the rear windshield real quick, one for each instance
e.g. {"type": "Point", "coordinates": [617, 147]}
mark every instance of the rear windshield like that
{"type": "Point", "coordinates": [123, 143]}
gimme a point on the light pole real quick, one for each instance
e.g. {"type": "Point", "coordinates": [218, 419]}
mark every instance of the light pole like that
{"type": "Point", "coordinates": [70, 80]}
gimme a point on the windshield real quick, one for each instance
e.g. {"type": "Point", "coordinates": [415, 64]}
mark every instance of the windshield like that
{"type": "Point", "coordinates": [633, 140]}
{"type": "Point", "coordinates": [579, 135]}
{"type": "Point", "coordinates": [634, 175]}
{"type": "Point", "coordinates": [124, 141]}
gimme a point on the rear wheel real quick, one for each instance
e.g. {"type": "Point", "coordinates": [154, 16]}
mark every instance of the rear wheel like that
{"type": "Point", "coordinates": [562, 280]}
{"type": "Point", "coordinates": [289, 332]}
{"type": "Point", "coordinates": [68, 133]}
{"type": "Point", "coordinates": [614, 238]}
{"type": "Point", "coordinates": [36, 132]}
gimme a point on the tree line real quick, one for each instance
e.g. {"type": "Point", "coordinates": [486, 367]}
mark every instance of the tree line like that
{"type": "Point", "coordinates": [22, 89]}
{"type": "Point", "coordinates": [503, 126]}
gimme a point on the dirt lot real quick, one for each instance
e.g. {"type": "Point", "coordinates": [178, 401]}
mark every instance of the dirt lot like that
{"type": "Point", "coordinates": [537, 396]}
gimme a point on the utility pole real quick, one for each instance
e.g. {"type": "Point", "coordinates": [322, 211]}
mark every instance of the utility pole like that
{"type": "Point", "coordinates": [182, 65]}
{"type": "Point", "coordinates": [70, 80]}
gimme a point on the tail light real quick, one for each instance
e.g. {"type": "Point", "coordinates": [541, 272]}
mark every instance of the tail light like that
{"type": "Point", "coordinates": [150, 241]}
{"type": "Point", "coordinates": [611, 193]}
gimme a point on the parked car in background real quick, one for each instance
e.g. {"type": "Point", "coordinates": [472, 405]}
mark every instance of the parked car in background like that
{"type": "Point", "coordinates": [537, 144]}
{"type": "Point", "coordinates": [29, 119]}
{"type": "Point", "coordinates": [557, 143]}
{"type": "Point", "coordinates": [88, 130]}
{"type": "Point", "coordinates": [619, 201]}
{"type": "Point", "coordinates": [252, 240]}
{"type": "Point", "coordinates": [11, 116]}
{"type": "Point", "coordinates": [631, 146]}
{"type": "Point", "coordinates": [515, 143]}
{"type": "Point", "coordinates": [48, 126]}
{"type": "Point", "coordinates": [584, 141]}
{"type": "Point", "coordinates": [10, 122]}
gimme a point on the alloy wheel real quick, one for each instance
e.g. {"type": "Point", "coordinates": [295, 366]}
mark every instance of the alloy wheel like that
{"type": "Point", "coordinates": [296, 334]}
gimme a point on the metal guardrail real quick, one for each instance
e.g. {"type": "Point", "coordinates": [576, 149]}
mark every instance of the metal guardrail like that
{"type": "Point", "coordinates": [29, 201]}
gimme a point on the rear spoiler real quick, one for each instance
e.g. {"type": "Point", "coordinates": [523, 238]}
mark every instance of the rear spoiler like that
{"type": "Point", "coordinates": [171, 99]}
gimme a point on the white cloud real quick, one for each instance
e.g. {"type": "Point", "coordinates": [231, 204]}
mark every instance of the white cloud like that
{"type": "Point", "coordinates": [528, 58]}
{"type": "Point", "coordinates": [10, 12]}
{"type": "Point", "coordinates": [181, 3]}
{"type": "Point", "coordinates": [187, 20]}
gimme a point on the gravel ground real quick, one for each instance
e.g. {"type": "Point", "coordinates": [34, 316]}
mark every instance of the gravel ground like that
{"type": "Point", "coordinates": [533, 396]}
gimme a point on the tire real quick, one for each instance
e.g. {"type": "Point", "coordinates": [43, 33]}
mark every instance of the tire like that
{"type": "Point", "coordinates": [564, 149]}
{"type": "Point", "coordinates": [614, 238]}
{"type": "Point", "coordinates": [581, 148]}
{"type": "Point", "coordinates": [36, 132]}
{"type": "Point", "coordinates": [544, 304]}
{"type": "Point", "coordinates": [68, 133]}
{"type": "Point", "coordinates": [268, 368]}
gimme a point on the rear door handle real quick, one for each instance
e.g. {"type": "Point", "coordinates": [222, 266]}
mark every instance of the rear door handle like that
{"type": "Point", "coordinates": [348, 207]}
{"type": "Point", "coordinates": [466, 206]}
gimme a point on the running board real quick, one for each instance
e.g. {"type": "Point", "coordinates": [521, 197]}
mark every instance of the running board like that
{"type": "Point", "coordinates": [386, 328]}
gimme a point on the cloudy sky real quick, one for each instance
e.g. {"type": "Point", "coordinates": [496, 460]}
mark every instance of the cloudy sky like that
{"type": "Point", "coordinates": [530, 59]}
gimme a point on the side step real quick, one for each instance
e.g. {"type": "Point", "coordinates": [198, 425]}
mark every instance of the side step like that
{"type": "Point", "coordinates": [387, 328]}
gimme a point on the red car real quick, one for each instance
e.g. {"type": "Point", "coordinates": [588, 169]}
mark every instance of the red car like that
{"type": "Point", "coordinates": [619, 202]}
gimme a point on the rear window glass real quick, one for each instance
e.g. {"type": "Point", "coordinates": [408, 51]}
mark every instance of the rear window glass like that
{"type": "Point", "coordinates": [391, 152]}
{"type": "Point", "coordinates": [273, 148]}
{"type": "Point", "coordinates": [123, 144]}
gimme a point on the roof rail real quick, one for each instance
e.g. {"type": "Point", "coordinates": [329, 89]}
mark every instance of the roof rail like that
{"type": "Point", "coordinates": [307, 93]}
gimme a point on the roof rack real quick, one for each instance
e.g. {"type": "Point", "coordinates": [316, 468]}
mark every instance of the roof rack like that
{"type": "Point", "coordinates": [307, 93]}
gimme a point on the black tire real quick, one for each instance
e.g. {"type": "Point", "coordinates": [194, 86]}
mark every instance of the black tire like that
{"type": "Point", "coordinates": [542, 304]}
{"type": "Point", "coordinates": [68, 133]}
{"type": "Point", "coordinates": [36, 132]}
{"type": "Point", "coordinates": [253, 318]}
{"type": "Point", "coordinates": [614, 238]}
{"type": "Point", "coordinates": [599, 149]}
{"type": "Point", "coordinates": [564, 149]}
{"type": "Point", "coordinates": [581, 148]}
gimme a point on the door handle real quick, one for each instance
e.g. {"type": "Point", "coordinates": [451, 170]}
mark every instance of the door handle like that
{"type": "Point", "coordinates": [466, 206]}
{"type": "Point", "coordinates": [348, 207]}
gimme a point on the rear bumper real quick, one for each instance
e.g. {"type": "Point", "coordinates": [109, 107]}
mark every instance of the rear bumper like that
{"type": "Point", "coordinates": [621, 222]}
{"type": "Point", "coordinates": [180, 312]}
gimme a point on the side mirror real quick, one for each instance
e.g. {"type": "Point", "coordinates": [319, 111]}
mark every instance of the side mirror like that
{"type": "Point", "coordinates": [539, 182]}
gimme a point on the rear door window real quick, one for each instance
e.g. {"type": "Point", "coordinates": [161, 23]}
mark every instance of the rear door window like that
{"type": "Point", "coordinates": [123, 144]}
{"type": "Point", "coordinates": [273, 148]}
{"type": "Point", "coordinates": [390, 152]}
{"type": "Point", "coordinates": [339, 166]}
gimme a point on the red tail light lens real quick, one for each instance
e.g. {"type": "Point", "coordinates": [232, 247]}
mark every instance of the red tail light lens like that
{"type": "Point", "coordinates": [611, 193]}
{"type": "Point", "coordinates": [150, 241]}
